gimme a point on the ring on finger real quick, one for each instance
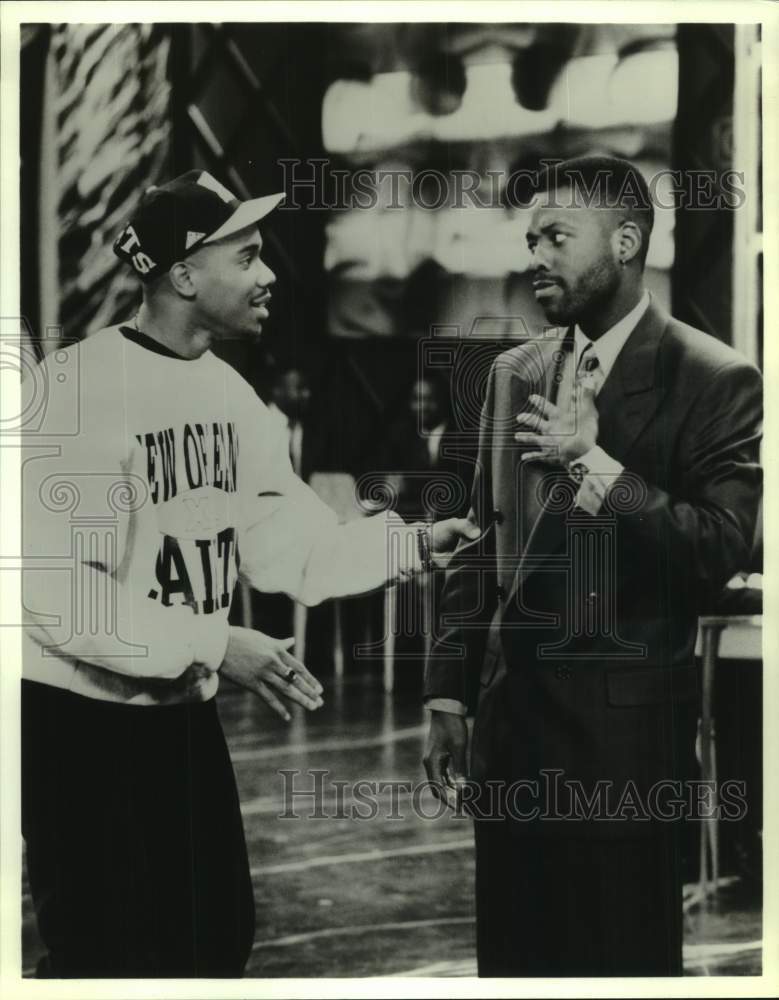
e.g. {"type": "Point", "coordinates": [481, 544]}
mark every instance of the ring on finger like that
{"type": "Point", "coordinates": [290, 675]}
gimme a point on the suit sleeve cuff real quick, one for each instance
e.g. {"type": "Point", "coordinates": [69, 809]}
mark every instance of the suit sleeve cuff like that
{"type": "Point", "coordinates": [602, 474]}
{"type": "Point", "coordinates": [450, 705]}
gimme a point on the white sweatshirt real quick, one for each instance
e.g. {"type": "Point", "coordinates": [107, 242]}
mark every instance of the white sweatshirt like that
{"type": "Point", "coordinates": [150, 481]}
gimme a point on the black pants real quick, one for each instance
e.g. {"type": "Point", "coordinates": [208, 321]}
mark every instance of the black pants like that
{"type": "Point", "coordinates": [135, 847]}
{"type": "Point", "coordinates": [555, 906]}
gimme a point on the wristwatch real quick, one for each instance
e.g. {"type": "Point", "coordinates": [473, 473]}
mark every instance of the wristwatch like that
{"type": "Point", "coordinates": [424, 547]}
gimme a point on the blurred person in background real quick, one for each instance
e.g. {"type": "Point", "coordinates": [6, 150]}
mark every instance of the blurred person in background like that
{"type": "Point", "coordinates": [290, 404]}
{"type": "Point", "coordinates": [427, 475]}
{"type": "Point", "coordinates": [418, 454]}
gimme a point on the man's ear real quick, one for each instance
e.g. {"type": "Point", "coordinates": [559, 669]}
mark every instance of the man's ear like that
{"type": "Point", "coordinates": [180, 276]}
{"type": "Point", "coordinates": [627, 242]}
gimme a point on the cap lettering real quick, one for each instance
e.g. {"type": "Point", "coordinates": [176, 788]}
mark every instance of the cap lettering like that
{"type": "Point", "coordinates": [132, 240]}
{"type": "Point", "coordinates": [143, 263]}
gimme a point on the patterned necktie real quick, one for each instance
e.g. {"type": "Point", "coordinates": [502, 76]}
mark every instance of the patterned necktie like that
{"type": "Point", "coordinates": [589, 372]}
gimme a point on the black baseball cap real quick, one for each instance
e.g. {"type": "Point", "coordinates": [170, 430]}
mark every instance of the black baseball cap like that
{"type": "Point", "coordinates": [176, 218]}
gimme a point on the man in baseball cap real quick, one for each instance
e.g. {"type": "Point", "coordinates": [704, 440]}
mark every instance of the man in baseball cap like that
{"type": "Point", "coordinates": [196, 249]}
{"type": "Point", "coordinates": [136, 852]}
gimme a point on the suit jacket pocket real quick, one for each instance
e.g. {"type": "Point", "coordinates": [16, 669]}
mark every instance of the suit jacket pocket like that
{"type": "Point", "coordinates": [651, 686]}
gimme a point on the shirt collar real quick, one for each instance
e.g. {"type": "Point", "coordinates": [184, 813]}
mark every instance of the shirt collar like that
{"type": "Point", "coordinates": [144, 340]}
{"type": "Point", "coordinates": [609, 344]}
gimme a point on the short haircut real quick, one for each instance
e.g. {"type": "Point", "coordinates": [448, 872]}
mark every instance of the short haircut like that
{"type": "Point", "coordinates": [603, 182]}
{"type": "Point", "coordinates": [436, 383]}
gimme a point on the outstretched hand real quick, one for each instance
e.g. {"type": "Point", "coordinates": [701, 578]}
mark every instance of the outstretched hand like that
{"type": "Point", "coordinates": [446, 535]}
{"type": "Point", "coordinates": [265, 666]}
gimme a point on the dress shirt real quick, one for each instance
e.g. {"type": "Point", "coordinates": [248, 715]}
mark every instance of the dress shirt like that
{"type": "Point", "coordinates": [434, 443]}
{"type": "Point", "coordinates": [603, 469]}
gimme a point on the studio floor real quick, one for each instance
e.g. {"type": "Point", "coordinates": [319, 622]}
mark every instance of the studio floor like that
{"type": "Point", "coordinates": [372, 886]}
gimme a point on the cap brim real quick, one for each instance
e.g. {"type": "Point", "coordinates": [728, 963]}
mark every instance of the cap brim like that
{"type": "Point", "coordinates": [247, 214]}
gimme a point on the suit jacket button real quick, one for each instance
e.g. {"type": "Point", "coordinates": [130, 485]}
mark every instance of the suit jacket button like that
{"type": "Point", "coordinates": [500, 590]}
{"type": "Point", "coordinates": [592, 598]}
{"type": "Point", "coordinates": [562, 672]}
{"type": "Point", "coordinates": [497, 516]}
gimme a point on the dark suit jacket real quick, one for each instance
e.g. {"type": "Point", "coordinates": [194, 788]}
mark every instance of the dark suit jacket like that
{"type": "Point", "coordinates": [576, 642]}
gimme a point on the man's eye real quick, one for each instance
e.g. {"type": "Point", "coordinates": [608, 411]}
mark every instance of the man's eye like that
{"type": "Point", "coordinates": [559, 238]}
{"type": "Point", "coordinates": [531, 247]}
{"type": "Point", "coordinates": [246, 262]}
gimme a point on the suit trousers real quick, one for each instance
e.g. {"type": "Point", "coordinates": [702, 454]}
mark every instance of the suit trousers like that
{"type": "Point", "coordinates": [577, 906]}
{"type": "Point", "coordinates": [136, 854]}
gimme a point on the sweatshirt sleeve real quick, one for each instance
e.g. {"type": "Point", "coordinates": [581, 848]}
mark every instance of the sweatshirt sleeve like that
{"type": "Point", "coordinates": [77, 517]}
{"type": "Point", "coordinates": [291, 542]}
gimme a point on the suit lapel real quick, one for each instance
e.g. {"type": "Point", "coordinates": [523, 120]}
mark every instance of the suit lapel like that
{"type": "Point", "coordinates": [632, 392]}
{"type": "Point", "coordinates": [519, 373]}
{"type": "Point", "coordinates": [628, 399]}
{"type": "Point", "coordinates": [536, 531]}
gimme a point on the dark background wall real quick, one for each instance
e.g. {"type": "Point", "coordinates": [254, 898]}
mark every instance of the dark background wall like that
{"type": "Point", "coordinates": [237, 99]}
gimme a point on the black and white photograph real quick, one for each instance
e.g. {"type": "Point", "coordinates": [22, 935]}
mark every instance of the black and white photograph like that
{"type": "Point", "coordinates": [384, 591]}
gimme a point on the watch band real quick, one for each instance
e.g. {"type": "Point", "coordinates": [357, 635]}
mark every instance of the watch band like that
{"type": "Point", "coordinates": [424, 547]}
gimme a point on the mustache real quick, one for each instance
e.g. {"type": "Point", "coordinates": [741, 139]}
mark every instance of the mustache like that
{"type": "Point", "coordinates": [544, 278]}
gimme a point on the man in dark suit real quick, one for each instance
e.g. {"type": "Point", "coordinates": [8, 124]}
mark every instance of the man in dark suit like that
{"type": "Point", "coordinates": [616, 490]}
{"type": "Point", "coordinates": [423, 457]}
